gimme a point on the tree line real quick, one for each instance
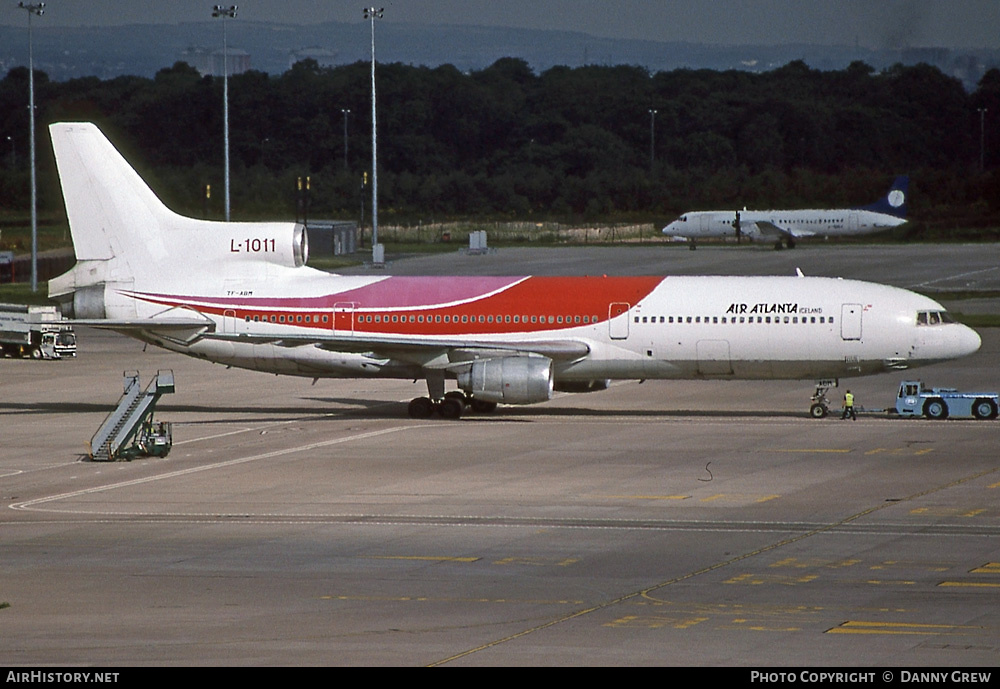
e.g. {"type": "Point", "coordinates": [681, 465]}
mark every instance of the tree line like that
{"type": "Point", "coordinates": [504, 142]}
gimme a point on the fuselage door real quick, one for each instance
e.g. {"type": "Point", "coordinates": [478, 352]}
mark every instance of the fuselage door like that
{"type": "Point", "coordinates": [850, 321]}
{"type": "Point", "coordinates": [229, 321]}
{"type": "Point", "coordinates": [852, 221]}
{"type": "Point", "coordinates": [343, 317]}
{"type": "Point", "coordinates": [713, 358]}
{"type": "Point", "coordinates": [618, 320]}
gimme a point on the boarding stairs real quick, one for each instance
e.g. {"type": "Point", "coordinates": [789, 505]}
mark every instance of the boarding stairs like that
{"type": "Point", "coordinates": [119, 435]}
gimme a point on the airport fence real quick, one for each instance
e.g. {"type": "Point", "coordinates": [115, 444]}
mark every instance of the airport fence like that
{"type": "Point", "coordinates": [500, 233]}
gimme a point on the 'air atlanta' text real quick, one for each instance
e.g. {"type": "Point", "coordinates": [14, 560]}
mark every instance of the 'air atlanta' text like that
{"type": "Point", "coordinates": [771, 308]}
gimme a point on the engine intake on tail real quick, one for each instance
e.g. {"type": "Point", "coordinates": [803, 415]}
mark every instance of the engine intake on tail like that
{"type": "Point", "coordinates": [508, 380]}
{"type": "Point", "coordinates": [283, 244]}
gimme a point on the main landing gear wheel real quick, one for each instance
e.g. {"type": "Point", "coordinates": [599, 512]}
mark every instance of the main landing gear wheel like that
{"type": "Point", "coordinates": [467, 400]}
{"type": "Point", "coordinates": [424, 408]}
{"type": "Point", "coordinates": [450, 407]}
{"type": "Point", "coordinates": [421, 408]}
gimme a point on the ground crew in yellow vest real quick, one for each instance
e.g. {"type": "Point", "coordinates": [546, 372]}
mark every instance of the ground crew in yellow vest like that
{"type": "Point", "coordinates": [849, 406]}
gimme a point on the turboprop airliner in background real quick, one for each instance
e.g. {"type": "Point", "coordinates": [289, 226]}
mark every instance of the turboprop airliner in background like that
{"type": "Point", "coordinates": [787, 226]}
{"type": "Point", "coordinates": [240, 294]}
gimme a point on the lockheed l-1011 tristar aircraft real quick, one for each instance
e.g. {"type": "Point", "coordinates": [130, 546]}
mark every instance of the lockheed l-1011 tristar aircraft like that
{"type": "Point", "coordinates": [240, 294]}
{"type": "Point", "coordinates": [787, 226]}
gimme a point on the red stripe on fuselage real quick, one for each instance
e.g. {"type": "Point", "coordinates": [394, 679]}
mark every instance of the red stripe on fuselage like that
{"type": "Point", "coordinates": [538, 303]}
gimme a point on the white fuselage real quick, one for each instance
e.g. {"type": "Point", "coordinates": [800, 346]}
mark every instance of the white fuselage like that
{"type": "Point", "coordinates": [674, 327]}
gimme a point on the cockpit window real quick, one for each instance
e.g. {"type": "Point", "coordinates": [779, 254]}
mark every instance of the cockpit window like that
{"type": "Point", "coordinates": [934, 317]}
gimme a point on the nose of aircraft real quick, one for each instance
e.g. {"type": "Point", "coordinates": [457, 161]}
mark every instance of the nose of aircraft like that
{"type": "Point", "coordinates": [967, 342]}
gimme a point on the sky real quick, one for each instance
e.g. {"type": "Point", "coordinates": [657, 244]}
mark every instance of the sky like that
{"type": "Point", "coordinates": [868, 23]}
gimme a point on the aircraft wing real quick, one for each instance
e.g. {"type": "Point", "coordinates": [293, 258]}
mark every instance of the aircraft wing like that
{"type": "Point", "coordinates": [179, 325]}
{"type": "Point", "coordinates": [769, 229]}
{"type": "Point", "coordinates": [142, 323]}
{"type": "Point", "coordinates": [417, 350]}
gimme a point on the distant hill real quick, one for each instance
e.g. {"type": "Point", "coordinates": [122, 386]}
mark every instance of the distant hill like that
{"type": "Point", "coordinates": [106, 52]}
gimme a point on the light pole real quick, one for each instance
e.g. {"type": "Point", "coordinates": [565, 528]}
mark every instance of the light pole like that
{"type": "Point", "coordinates": [37, 10]}
{"type": "Point", "coordinates": [225, 13]}
{"type": "Point", "coordinates": [652, 138]}
{"type": "Point", "coordinates": [378, 257]}
{"type": "Point", "coordinates": [982, 138]}
{"type": "Point", "coordinates": [345, 112]}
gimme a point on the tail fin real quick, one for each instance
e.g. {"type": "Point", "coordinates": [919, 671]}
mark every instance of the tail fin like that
{"type": "Point", "coordinates": [893, 203]}
{"type": "Point", "coordinates": [126, 239]}
{"type": "Point", "coordinates": [112, 213]}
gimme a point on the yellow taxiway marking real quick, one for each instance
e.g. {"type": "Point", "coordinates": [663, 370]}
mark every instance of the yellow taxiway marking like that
{"type": "Point", "coordinates": [988, 568]}
{"type": "Point", "coordinates": [860, 627]}
{"type": "Point", "coordinates": [739, 496]}
{"type": "Point", "coordinates": [827, 450]}
{"type": "Point", "coordinates": [438, 599]}
{"type": "Point", "coordinates": [810, 563]}
{"type": "Point", "coordinates": [946, 512]}
{"type": "Point", "coordinates": [972, 584]}
{"type": "Point", "coordinates": [912, 564]}
{"type": "Point", "coordinates": [655, 622]}
{"type": "Point", "coordinates": [646, 497]}
{"type": "Point", "coordinates": [757, 579]}
{"type": "Point", "coordinates": [429, 558]}
{"type": "Point", "coordinates": [536, 561]}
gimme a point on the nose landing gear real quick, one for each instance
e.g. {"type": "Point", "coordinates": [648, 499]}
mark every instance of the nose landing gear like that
{"type": "Point", "coordinates": [820, 404]}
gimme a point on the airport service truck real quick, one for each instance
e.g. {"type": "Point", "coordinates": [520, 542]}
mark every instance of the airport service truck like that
{"type": "Point", "coordinates": [35, 331]}
{"type": "Point", "coordinates": [913, 399]}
